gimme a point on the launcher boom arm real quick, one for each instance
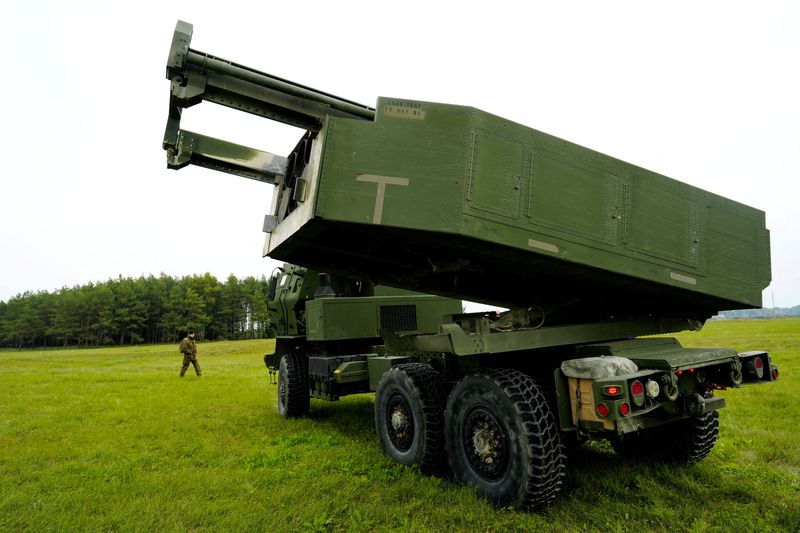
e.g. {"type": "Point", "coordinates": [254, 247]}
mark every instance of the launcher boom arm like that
{"type": "Point", "coordinates": [196, 76]}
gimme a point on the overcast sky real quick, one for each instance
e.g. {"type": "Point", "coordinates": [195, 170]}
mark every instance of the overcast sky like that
{"type": "Point", "coordinates": [705, 92]}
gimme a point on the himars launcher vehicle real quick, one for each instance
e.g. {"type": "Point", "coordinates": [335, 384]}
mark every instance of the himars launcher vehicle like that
{"type": "Point", "coordinates": [591, 255]}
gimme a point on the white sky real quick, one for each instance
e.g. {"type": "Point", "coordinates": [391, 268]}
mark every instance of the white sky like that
{"type": "Point", "coordinates": [704, 92]}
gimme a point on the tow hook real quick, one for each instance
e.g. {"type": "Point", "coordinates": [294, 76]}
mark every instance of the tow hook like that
{"type": "Point", "coordinates": [696, 405]}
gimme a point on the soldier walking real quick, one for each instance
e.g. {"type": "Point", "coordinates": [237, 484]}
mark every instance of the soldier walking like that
{"type": "Point", "coordinates": [189, 351]}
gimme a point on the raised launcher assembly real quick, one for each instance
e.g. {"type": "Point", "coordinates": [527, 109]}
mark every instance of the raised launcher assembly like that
{"type": "Point", "coordinates": [451, 200]}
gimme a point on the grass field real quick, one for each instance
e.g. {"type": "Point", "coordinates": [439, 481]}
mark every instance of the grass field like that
{"type": "Point", "coordinates": [112, 439]}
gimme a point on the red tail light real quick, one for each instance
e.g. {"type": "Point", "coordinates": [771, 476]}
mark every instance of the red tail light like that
{"type": "Point", "coordinates": [602, 410]}
{"type": "Point", "coordinates": [624, 409]}
{"type": "Point", "coordinates": [637, 393]}
{"type": "Point", "coordinates": [758, 365]}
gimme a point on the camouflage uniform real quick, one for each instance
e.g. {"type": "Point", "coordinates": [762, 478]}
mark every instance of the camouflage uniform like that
{"type": "Point", "coordinates": [189, 351]}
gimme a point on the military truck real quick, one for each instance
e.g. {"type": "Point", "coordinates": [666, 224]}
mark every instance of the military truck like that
{"type": "Point", "coordinates": [593, 258]}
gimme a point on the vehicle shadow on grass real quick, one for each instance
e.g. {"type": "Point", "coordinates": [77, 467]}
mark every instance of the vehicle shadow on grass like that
{"type": "Point", "coordinates": [354, 417]}
{"type": "Point", "coordinates": [595, 470]}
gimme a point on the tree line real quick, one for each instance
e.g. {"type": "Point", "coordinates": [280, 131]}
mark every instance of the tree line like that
{"type": "Point", "coordinates": [767, 312]}
{"type": "Point", "coordinates": [137, 310]}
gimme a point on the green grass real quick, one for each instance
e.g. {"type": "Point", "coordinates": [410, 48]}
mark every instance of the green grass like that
{"type": "Point", "coordinates": [112, 439]}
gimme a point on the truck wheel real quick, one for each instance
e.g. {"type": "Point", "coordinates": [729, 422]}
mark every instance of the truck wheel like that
{"type": "Point", "coordinates": [293, 396]}
{"type": "Point", "coordinates": [409, 402]}
{"type": "Point", "coordinates": [502, 438]}
{"type": "Point", "coordinates": [687, 441]}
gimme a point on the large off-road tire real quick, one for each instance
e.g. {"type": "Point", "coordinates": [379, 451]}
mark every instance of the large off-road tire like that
{"type": "Point", "coordinates": [502, 438]}
{"type": "Point", "coordinates": [409, 405]}
{"type": "Point", "coordinates": [293, 395]}
{"type": "Point", "coordinates": [687, 441]}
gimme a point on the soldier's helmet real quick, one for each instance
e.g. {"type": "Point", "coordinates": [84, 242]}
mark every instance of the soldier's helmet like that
{"type": "Point", "coordinates": [190, 331]}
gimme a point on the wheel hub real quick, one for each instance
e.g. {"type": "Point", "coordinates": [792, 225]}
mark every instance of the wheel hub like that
{"type": "Point", "coordinates": [399, 423]}
{"type": "Point", "coordinates": [399, 419]}
{"type": "Point", "coordinates": [486, 444]}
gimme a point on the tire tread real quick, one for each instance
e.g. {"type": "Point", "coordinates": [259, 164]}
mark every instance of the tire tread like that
{"type": "Point", "coordinates": [687, 441]}
{"type": "Point", "coordinates": [546, 466]}
{"type": "Point", "coordinates": [298, 400]}
{"type": "Point", "coordinates": [430, 392]}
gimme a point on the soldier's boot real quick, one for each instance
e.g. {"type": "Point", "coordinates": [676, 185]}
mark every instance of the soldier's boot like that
{"type": "Point", "coordinates": [197, 368]}
{"type": "Point", "coordinates": [183, 369]}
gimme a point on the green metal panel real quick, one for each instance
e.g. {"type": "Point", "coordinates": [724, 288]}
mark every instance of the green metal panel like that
{"type": "Point", "coordinates": [351, 372]}
{"type": "Point", "coordinates": [570, 199]}
{"type": "Point", "coordinates": [380, 364]}
{"type": "Point", "coordinates": [364, 317]}
{"type": "Point", "coordinates": [494, 174]}
{"type": "Point", "coordinates": [453, 339]}
{"type": "Point", "coordinates": [663, 226]}
{"type": "Point", "coordinates": [661, 353]}
{"type": "Point", "coordinates": [398, 171]}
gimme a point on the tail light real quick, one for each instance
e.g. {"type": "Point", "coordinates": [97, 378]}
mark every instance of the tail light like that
{"type": "Point", "coordinates": [637, 393]}
{"type": "Point", "coordinates": [652, 388]}
{"type": "Point", "coordinates": [755, 367]}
